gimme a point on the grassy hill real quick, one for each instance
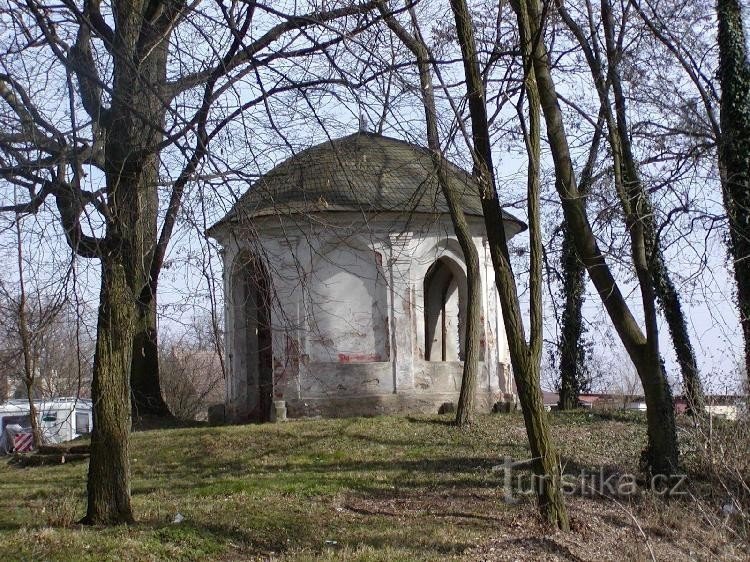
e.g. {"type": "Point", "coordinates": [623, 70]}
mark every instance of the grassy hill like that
{"type": "Point", "coordinates": [389, 488]}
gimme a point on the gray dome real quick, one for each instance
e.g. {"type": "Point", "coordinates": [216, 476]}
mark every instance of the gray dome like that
{"type": "Point", "coordinates": [363, 172]}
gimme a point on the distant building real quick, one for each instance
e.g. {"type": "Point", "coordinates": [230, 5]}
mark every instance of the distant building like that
{"type": "Point", "coordinates": [728, 406]}
{"type": "Point", "coordinates": [587, 401]}
{"type": "Point", "coordinates": [725, 406]}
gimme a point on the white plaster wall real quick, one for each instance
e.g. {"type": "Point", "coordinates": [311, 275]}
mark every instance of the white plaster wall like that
{"type": "Point", "coordinates": [348, 316]}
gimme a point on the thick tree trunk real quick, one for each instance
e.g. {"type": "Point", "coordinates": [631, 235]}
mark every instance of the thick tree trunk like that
{"type": "Point", "coordinates": [109, 467]}
{"type": "Point", "coordinates": [643, 350]}
{"type": "Point", "coordinates": [525, 358]}
{"type": "Point", "coordinates": [734, 151]}
{"type": "Point", "coordinates": [661, 455]}
{"type": "Point", "coordinates": [135, 122]}
{"type": "Point", "coordinates": [138, 113]}
{"type": "Point", "coordinates": [145, 383]}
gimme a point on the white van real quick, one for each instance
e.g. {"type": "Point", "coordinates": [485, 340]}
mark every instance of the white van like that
{"type": "Point", "coordinates": [60, 419]}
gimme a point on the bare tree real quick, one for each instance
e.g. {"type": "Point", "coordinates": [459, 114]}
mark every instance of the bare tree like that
{"type": "Point", "coordinates": [190, 381]}
{"type": "Point", "coordinates": [419, 49]}
{"type": "Point", "coordinates": [634, 199]}
{"type": "Point", "coordinates": [28, 314]}
{"type": "Point", "coordinates": [643, 349]}
{"type": "Point", "coordinates": [525, 357]}
{"type": "Point", "coordinates": [130, 109]}
{"type": "Point", "coordinates": [193, 378]}
{"type": "Point", "coordinates": [719, 81]}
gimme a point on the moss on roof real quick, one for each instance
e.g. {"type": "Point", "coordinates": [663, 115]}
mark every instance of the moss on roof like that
{"type": "Point", "coordinates": [360, 172]}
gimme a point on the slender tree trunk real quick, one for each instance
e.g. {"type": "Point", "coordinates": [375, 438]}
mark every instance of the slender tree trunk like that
{"type": "Point", "coordinates": [467, 396]}
{"type": "Point", "coordinates": [416, 44]}
{"type": "Point", "coordinates": [525, 358]}
{"type": "Point", "coordinates": [671, 307]}
{"type": "Point", "coordinates": [36, 431]}
{"type": "Point", "coordinates": [466, 399]}
{"type": "Point", "coordinates": [109, 467]}
{"type": "Point", "coordinates": [29, 370]}
{"type": "Point", "coordinates": [734, 151]}
{"type": "Point", "coordinates": [643, 350]}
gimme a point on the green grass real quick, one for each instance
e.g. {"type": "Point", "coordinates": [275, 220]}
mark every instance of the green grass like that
{"type": "Point", "coordinates": [388, 488]}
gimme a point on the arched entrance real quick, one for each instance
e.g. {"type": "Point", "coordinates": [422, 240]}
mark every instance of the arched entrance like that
{"type": "Point", "coordinates": [444, 311]}
{"type": "Point", "coordinates": [253, 353]}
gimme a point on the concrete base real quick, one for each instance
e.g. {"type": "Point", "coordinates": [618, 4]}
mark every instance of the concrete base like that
{"type": "Point", "coordinates": [278, 412]}
{"type": "Point", "coordinates": [376, 405]}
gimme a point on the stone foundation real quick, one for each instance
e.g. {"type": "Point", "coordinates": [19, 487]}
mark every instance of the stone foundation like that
{"type": "Point", "coordinates": [384, 404]}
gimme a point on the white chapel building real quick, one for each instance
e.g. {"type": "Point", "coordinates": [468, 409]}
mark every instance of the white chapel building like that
{"type": "Point", "coordinates": [345, 287]}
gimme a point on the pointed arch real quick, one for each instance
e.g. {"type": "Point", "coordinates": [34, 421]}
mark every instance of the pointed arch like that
{"type": "Point", "coordinates": [445, 296]}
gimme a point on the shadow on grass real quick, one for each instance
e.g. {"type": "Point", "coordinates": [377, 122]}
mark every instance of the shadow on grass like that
{"type": "Point", "coordinates": [539, 548]}
{"type": "Point", "coordinates": [444, 422]}
{"type": "Point", "coordinates": [312, 537]}
{"type": "Point", "coordinates": [372, 478]}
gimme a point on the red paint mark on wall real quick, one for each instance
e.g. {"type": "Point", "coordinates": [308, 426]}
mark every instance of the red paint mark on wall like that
{"type": "Point", "coordinates": [359, 357]}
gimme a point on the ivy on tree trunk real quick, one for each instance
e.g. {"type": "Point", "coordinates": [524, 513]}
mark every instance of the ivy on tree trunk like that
{"type": "Point", "coordinates": [734, 151]}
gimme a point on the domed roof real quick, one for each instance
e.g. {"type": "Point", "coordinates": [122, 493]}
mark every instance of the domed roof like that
{"type": "Point", "coordinates": [360, 172]}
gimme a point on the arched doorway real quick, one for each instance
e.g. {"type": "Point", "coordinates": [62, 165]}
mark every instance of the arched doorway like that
{"type": "Point", "coordinates": [444, 311]}
{"type": "Point", "coordinates": [253, 353]}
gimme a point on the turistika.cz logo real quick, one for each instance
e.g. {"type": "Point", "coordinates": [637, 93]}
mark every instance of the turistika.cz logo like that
{"type": "Point", "coordinates": [587, 482]}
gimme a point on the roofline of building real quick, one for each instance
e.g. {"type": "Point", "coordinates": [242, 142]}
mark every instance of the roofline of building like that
{"type": "Point", "coordinates": [229, 218]}
{"type": "Point", "coordinates": [213, 229]}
